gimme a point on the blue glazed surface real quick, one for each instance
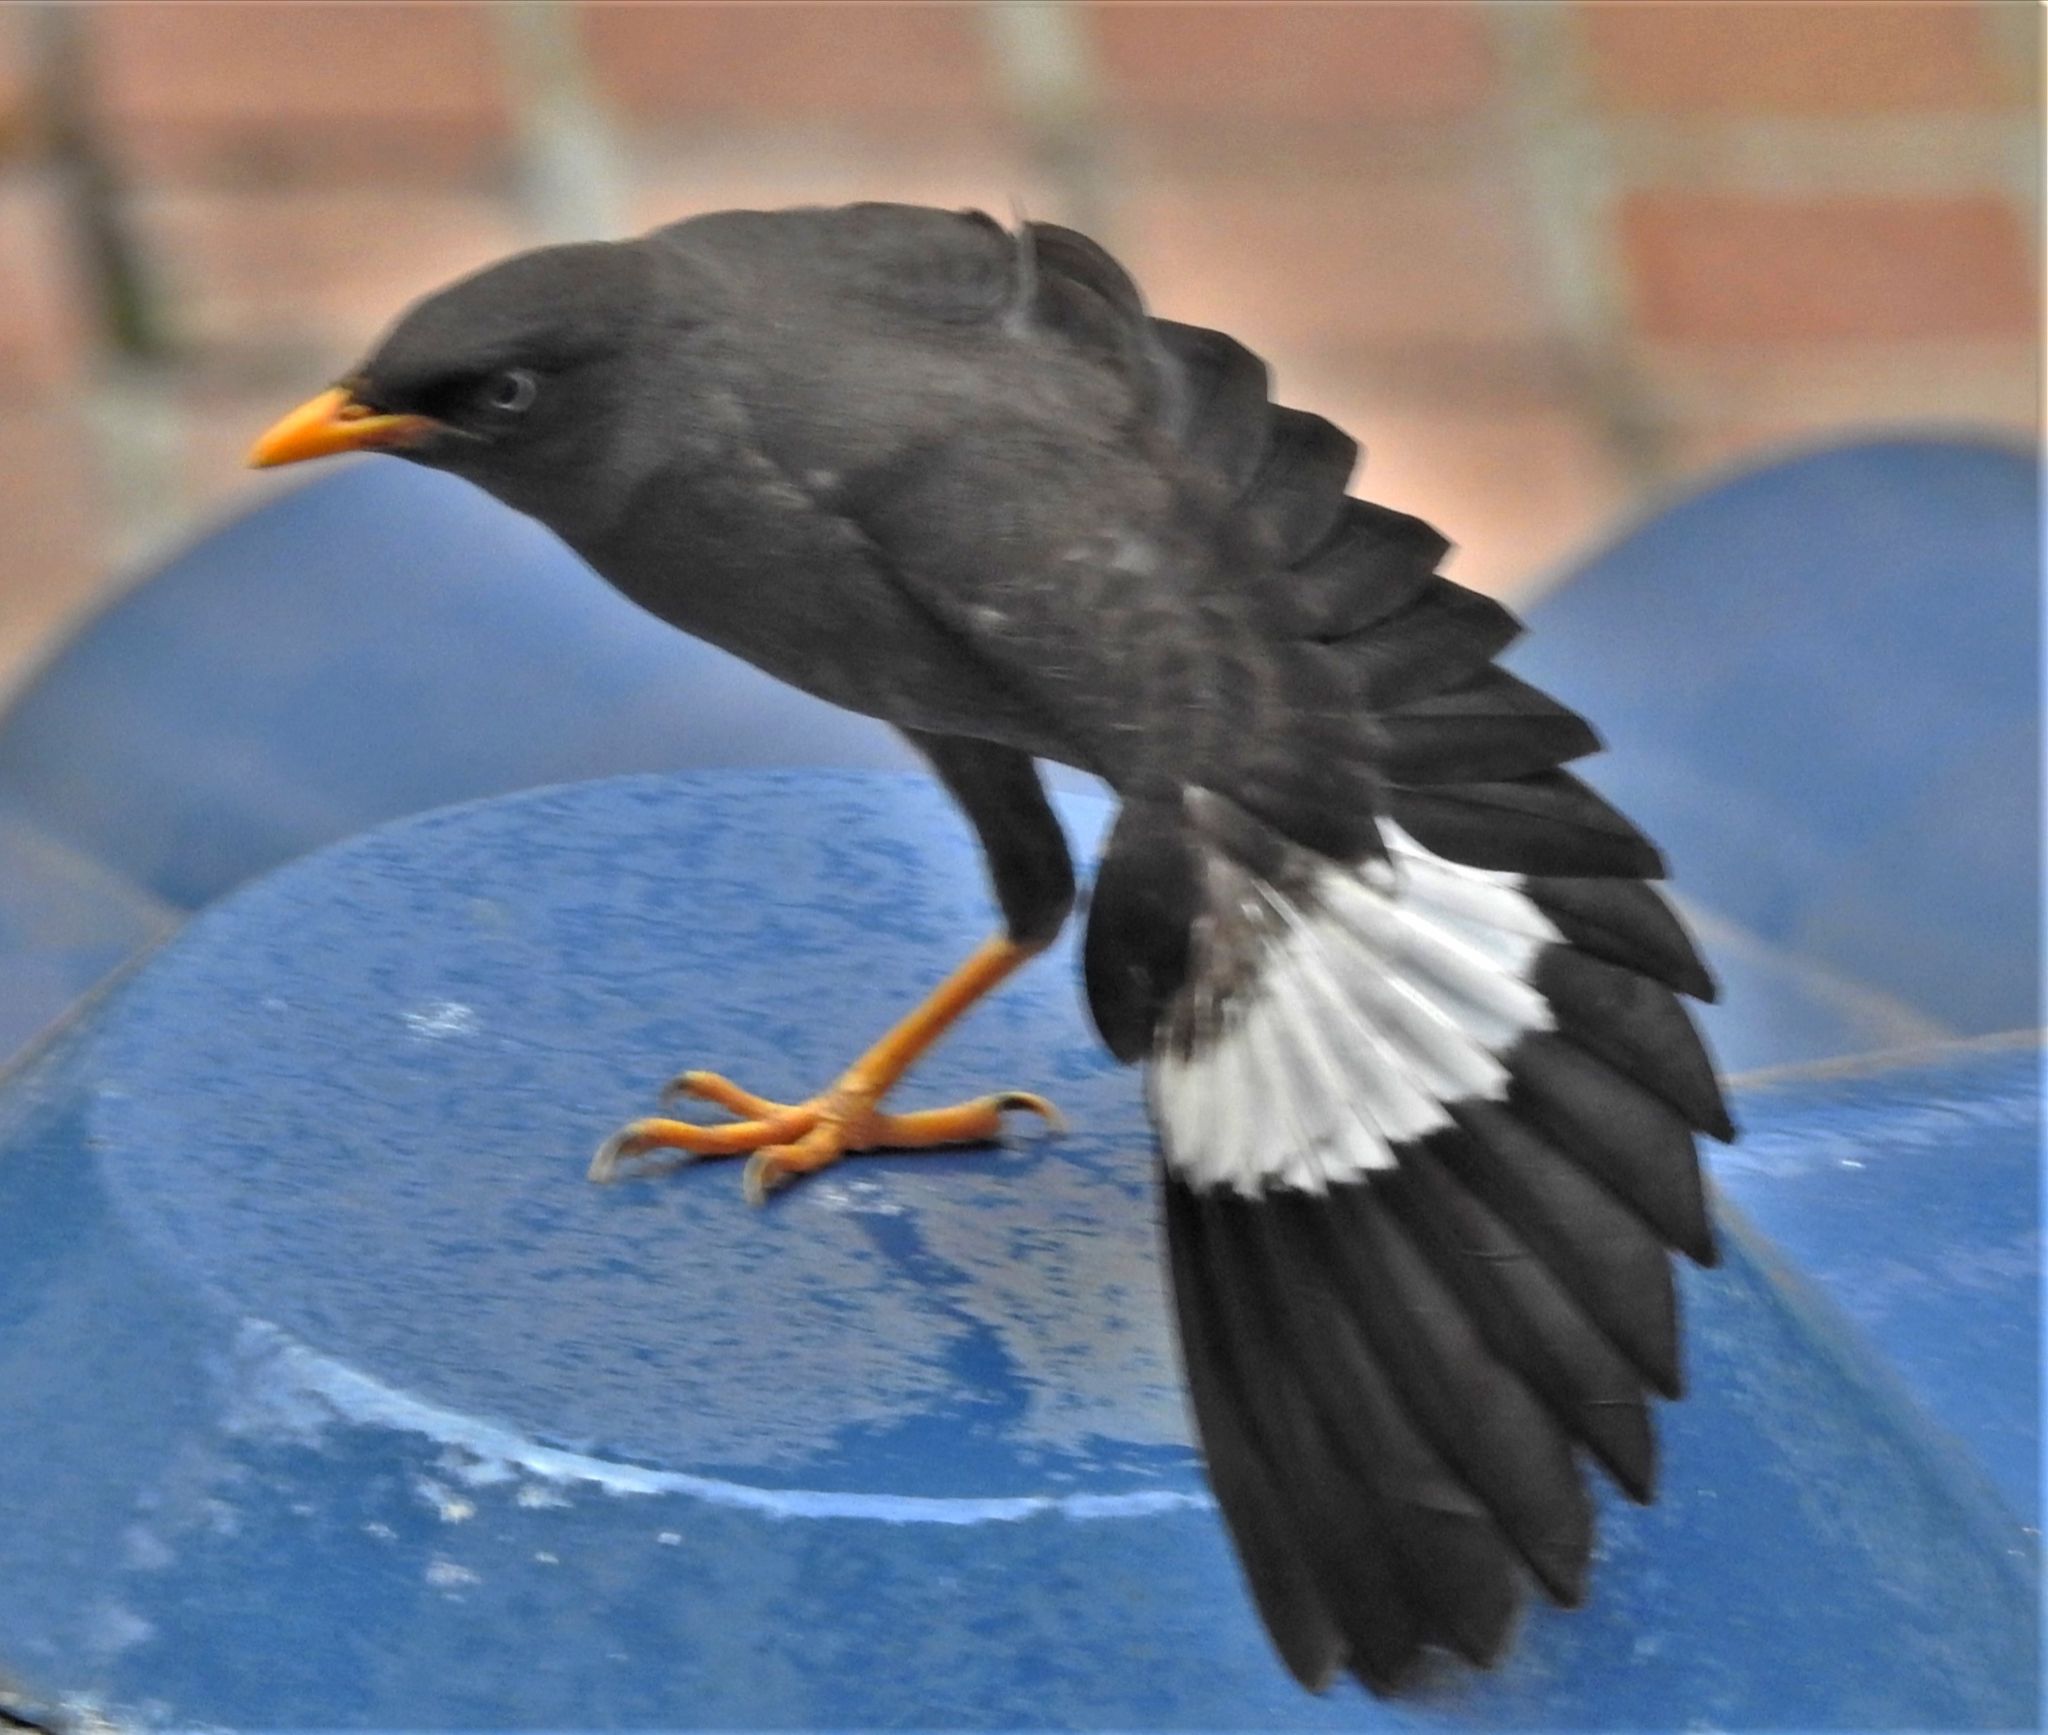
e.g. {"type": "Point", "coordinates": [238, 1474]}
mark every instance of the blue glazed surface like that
{"type": "Point", "coordinates": [1909, 1190]}
{"type": "Point", "coordinates": [444, 1163]}
{"type": "Point", "coordinates": [66, 922]}
{"type": "Point", "coordinates": [1822, 683]}
{"type": "Point", "coordinates": [1779, 1008]}
{"type": "Point", "coordinates": [354, 1405]}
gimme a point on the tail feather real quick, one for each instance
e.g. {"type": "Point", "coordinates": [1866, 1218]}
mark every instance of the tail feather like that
{"type": "Point", "coordinates": [1528, 1318]}
{"type": "Point", "coordinates": [1262, 1520]}
{"type": "Point", "coordinates": [1502, 1444]}
{"type": "Point", "coordinates": [1606, 1256]}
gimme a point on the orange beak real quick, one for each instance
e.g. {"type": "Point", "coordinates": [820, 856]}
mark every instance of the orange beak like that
{"type": "Point", "coordinates": [335, 422]}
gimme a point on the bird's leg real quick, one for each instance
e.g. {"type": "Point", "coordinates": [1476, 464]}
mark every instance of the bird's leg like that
{"type": "Point", "coordinates": [784, 1140]}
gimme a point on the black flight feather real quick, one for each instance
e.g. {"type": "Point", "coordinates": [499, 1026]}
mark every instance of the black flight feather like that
{"type": "Point", "coordinates": [1438, 747]}
{"type": "Point", "coordinates": [1298, 493]}
{"type": "Point", "coordinates": [1292, 1604]}
{"type": "Point", "coordinates": [1373, 563]}
{"type": "Point", "coordinates": [1448, 1546]}
{"type": "Point", "coordinates": [1322, 802]}
{"type": "Point", "coordinates": [1441, 639]}
{"type": "Point", "coordinates": [1483, 1420]}
{"type": "Point", "coordinates": [1069, 255]}
{"type": "Point", "coordinates": [1491, 729]}
{"type": "Point", "coordinates": [1352, 1540]}
{"type": "Point", "coordinates": [1071, 287]}
{"type": "Point", "coordinates": [1604, 1253]}
{"type": "Point", "coordinates": [1548, 823]}
{"type": "Point", "coordinates": [1222, 400]}
{"type": "Point", "coordinates": [1329, 1523]}
{"type": "Point", "coordinates": [1626, 923]}
{"type": "Point", "coordinates": [1639, 1028]}
{"type": "Point", "coordinates": [1633, 1140]}
{"type": "Point", "coordinates": [1528, 1318]}
{"type": "Point", "coordinates": [1416, 1544]}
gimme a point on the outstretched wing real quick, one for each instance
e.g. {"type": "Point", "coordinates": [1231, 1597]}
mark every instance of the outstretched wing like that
{"type": "Point", "coordinates": [1423, 1157]}
{"type": "Point", "coordinates": [1427, 1107]}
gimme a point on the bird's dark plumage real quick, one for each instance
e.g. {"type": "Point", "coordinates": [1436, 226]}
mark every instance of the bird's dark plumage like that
{"type": "Point", "coordinates": [1409, 1010]}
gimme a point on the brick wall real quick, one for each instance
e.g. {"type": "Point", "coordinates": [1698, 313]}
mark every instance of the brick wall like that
{"type": "Point", "coordinates": [1540, 259]}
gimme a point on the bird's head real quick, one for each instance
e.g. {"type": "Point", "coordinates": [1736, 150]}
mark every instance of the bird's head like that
{"type": "Point", "coordinates": [510, 377]}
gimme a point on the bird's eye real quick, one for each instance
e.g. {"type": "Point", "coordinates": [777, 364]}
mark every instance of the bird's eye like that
{"type": "Point", "coordinates": [512, 391]}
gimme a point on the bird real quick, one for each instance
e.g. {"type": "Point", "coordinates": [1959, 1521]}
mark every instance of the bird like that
{"type": "Point", "coordinates": [1409, 1008]}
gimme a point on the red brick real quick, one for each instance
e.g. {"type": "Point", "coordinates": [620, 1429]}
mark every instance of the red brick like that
{"type": "Point", "coordinates": [16, 120]}
{"type": "Point", "coordinates": [1289, 62]}
{"type": "Point", "coordinates": [1993, 381]}
{"type": "Point", "coordinates": [764, 173]}
{"type": "Point", "coordinates": [1725, 402]}
{"type": "Point", "coordinates": [1791, 58]}
{"type": "Point", "coordinates": [302, 90]}
{"type": "Point", "coordinates": [43, 317]}
{"type": "Point", "coordinates": [323, 266]}
{"type": "Point", "coordinates": [1739, 270]}
{"type": "Point", "coordinates": [1325, 262]}
{"type": "Point", "coordinates": [686, 67]}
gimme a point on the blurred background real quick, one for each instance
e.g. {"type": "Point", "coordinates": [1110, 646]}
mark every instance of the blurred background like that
{"type": "Point", "coordinates": [1543, 260]}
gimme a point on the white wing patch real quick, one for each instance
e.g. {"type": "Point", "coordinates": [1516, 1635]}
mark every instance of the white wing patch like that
{"type": "Point", "coordinates": [1376, 999]}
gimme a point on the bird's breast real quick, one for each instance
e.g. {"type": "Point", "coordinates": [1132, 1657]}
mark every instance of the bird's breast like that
{"type": "Point", "coordinates": [757, 569]}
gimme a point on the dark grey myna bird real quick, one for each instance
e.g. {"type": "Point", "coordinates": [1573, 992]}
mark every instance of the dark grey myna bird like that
{"type": "Point", "coordinates": [1408, 1010]}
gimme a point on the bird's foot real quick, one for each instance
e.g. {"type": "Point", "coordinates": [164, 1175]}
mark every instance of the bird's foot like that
{"type": "Point", "coordinates": [784, 1141]}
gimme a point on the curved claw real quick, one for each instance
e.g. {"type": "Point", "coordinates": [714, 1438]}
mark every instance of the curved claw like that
{"type": "Point", "coordinates": [717, 1088]}
{"type": "Point", "coordinates": [765, 1174]}
{"type": "Point", "coordinates": [635, 1140]}
{"type": "Point", "coordinates": [604, 1165]}
{"type": "Point", "coordinates": [604, 1162]}
{"type": "Point", "coordinates": [1009, 1100]}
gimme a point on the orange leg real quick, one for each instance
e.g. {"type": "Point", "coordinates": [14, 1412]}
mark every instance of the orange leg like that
{"type": "Point", "coordinates": [782, 1141]}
